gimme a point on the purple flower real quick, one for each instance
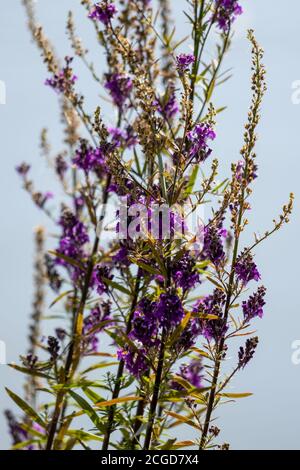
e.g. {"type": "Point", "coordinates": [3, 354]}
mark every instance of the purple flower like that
{"type": "Point", "coordinates": [240, 170]}
{"type": "Point", "coordinates": [123, 138]}
{"type": "Point", "coordinates": [60, 333]}
{"type": "Point", "coordinates": [135, 360]}
{"type": "Point", "coordinates": [192, 373]}
{"type": "Point", "coordinates": [40, 199]}
{"type": "Point", "coordinates": [198, 138]}
{"type": "Point", "coordinates": [121, 257]}
{"type": "Point", "coordinates": [18, 434]}
{"type": "Point", "coordinates": [226, 13]}
{"type": "Point", "coordinates": [212, 305]}
{"type": "Point", "coordinates": [213, 246]}
{"type": "Point", "coordinates": [92, 324]}
{"type": "Point", "coordinates": [74, 237]}
{"type": "Point", "coordinates": [184, 61]}
{"type": "Point", "coordinates": [78, 203]}
{"type": "Point", "coordinates": [169, 310]}
{"type": "Point", "coordinates": [119, 86]}
{"type": "Point", "coordinates": [60, 166]}
{"type": "Point", "coordinates": [246, 270]}
{"type": "Point", "coordinates": [54, 278]}
{"type": "Point", "coordinates": [53, 347]}
{"type": "Point", "coordinates": [188, 337]}
{"type": "Point", "coordinates": [88, 158]}
{"type": "Point", "coordinates": [184, 272]}
{"type": "Point", "coordinates": [103, 11]}
{"type": "Point", "coordinates": [64, 80]}
{"type": "Point", "coordinates": [73, 228]}
{"type": "Point", "coordinates": [246, 354]}
{"type": "Point", "coordinates": [145, 324]}
{"type": "Point", "coordinates": [253, 307]}
{"type": "Point", "coordinates": [101, 273]}
{"type": "Point", "coordinates": [168, 106]}
{"type": "Point", "coordinates": [23, 169]}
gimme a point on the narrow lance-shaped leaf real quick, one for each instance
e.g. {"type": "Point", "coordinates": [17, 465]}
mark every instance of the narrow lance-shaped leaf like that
{"type": "Point", "coordinates": [26, 408]}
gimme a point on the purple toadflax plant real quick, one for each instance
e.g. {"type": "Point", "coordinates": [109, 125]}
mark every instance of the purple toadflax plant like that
{"type": "Point", "coordinates": [146, 317]}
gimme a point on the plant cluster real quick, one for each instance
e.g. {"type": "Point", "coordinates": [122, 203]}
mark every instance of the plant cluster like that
{"type": "Point", "coordinates": [146, 317]}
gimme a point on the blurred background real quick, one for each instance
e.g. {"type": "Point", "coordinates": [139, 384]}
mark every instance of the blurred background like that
{"type": "Point", "coordinates": [270, 419]}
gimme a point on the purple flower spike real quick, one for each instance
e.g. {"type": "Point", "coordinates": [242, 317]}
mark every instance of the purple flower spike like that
{"type": "Point", "coordinates": [213, 245]}
{"type": "Point", "coordinates": [226, 13]}
{"type": "Point", "coordinates": [184, 61]}
{"type": "Point", "coordinates": [253, 307]}
{"type": "Point", "coordinates": [64, 80]}
{"type": "Point", "coordinates": [168, 106]}
{"type": "Point", "coordinates": [169, 310]}
{"type": "Point", "coordinates": [145, 324]}
{"type": "Point", "coordinates": [192, 373]}
{"type": "Point", "coordinates": [198, 138]}
{"type": "Point", "coordinates": [135, 360]}
{"type": "Point", "coordinates": [246, 270]}
{"type": "Point", "coordinates": [88, 158]}
{"type": "Point", "coordinates": [184, 272]}
{"type": "Point", "coordinates": [103, 11]}
{"type": "Point", "coordinates": [119, 87]}
{"type": "Point", "coordinates": [246, 353]}
{"type": "Point", "coordinates": [23, 169]}
{"type": "Point", "coordinates": [98, 315]}
{"type": "Point", "coordinates": [212, 305]}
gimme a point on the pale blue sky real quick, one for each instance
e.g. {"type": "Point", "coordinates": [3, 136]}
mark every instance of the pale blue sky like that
{"type": "Point", "coordinates": [271, 418]}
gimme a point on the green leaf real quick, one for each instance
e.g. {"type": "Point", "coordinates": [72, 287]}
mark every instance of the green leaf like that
{"type": "Point", "coordinates": [235, 395]}
{"type": "Point", "coordinates": [26, 408]}
{"type": "Point", "coordinates": [71, 261]}
{"type": "Point", "coordinates": [180, 328]}
{"type": "Point", "coordinates": [219, 186]}
{"type": "Point", "coordinates": [116, 401]}
{"type": "Point", "coordinates": [93, 396]}
{"type": "Point", "coordinates": [83, 435]}
{"type": "Point", "coordinates": [162, 177]}
{"type": "Point", "coordinates": [183, 419]}
{"type": "Point", "coordinates": [98, 327]}
{"type": "Point", "coordinates": [86, 407]}
{"type": "Point", "coordinates": [146, 267]}
{"type": "Point", "coordinates": [171, 444]}
{"type": "Point", "coordinates": [99, 366]}
{"type": "Point", "coordinates": [167, 445]}
{"type": "Point", "coordinates": [32, 431]}
{"type": "Point", "coordinates": [34, 373]}
{"type": "Point", "coordinates": [61, 296]}
{"type": "Point", "coordinates": [116, 285]}
{"type": "Point", "coordinates": [210, 90]}
{"type": "Point", "coordinates": [215, 283]}
{"type": "Point", "coordinates": [137, 162]}
{"type": "Point", "coordinates": [23, 444]}
{"type": "Point", "coordinates": [191, 182]}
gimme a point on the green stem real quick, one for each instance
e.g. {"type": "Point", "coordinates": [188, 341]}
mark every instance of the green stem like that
{"type": "Point", "coordinates": [73, 354]}
{"type": "Point", "coordinates": [117, 387]}
{"type": "Point", "coordinates": [154, 401]}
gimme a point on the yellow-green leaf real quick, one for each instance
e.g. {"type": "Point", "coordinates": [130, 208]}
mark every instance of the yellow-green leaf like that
{"type": "Point", "coordinates": [235, 395]}
{"type": "Point", "coordinates": [26, 408]}
{"type": "Point", "coordinates": [115, 401]}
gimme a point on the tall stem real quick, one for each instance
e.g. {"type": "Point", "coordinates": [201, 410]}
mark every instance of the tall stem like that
{"type": "Point", "coordinates": [154, 401]}
{"type": "Point", "coordinates": [220, 347]}
{"type": "Point", "coordinates": [117, 387]}
{"type": "Point", "coordinates": [73, 356]}
{"type": "Point", "coordinates": [139, 413]}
